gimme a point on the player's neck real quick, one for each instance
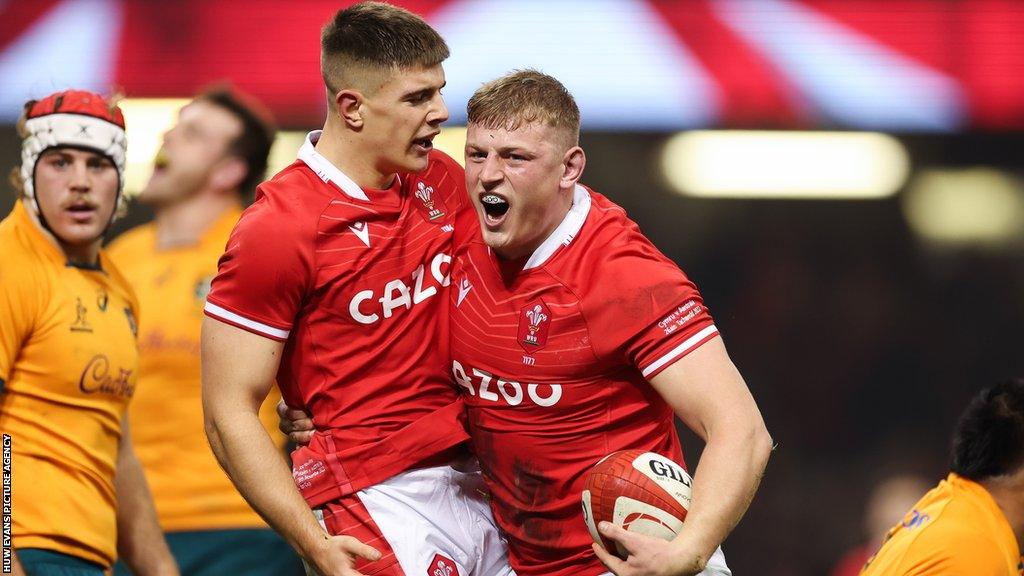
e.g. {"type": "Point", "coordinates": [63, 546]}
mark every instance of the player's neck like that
{"type": "Point", "coordinates": [518, 254]}
{"type": "Point", "coordinates": [1008, 492]}
{"type": "Point", "coordinates": [184, 223]}
{"type": "Point", "coordinates": [87, 255]}
{"type": "Point", "coordinates": [352, 158]}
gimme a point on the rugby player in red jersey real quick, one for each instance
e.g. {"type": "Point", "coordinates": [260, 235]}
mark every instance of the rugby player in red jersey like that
{"type": "Point", "coordinates": [334, 283]}
{"type": "Point", "coordinates": [574, 337]}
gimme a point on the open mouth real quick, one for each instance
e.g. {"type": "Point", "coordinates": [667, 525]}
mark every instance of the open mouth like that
{"type": "Point", "coordinates": [81, 212]}
{"type": "Point", "coordinates": [160, 162]}
{"type": "Point", "coordinates": [425, 144]}
{"type": "Point", "coordinates": [495, 207]}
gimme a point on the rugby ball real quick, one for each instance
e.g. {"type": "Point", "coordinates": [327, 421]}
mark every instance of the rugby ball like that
{"type": "Point", "coordinates": [642, 492]}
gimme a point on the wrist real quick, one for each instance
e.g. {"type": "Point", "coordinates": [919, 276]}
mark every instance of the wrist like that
{"type": "Point", "coordinates": [313, 545]}
{"type": "Point", "coordinates": [689, 555]}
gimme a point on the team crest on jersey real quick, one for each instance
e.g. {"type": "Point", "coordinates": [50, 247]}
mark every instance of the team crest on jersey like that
{"type": "Point", "coordinates": [81, 323]}
{"type": "Point", "coordinates": [441, 565]}
{"type": "Point", "coordinates": [534, 321]}
{"type": "Point", "coordinates": [430, 205]}
{"type": "Point", "coordinates": [131, 321]}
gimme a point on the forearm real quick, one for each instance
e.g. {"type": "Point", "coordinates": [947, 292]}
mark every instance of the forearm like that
{"type": "Point", "coordinates": [238, 372]}
{"type": "Point", "coordinates": [140, 541]}
{"type": "Point", "coordinates": [724, 484]}
{"type": "Point", "coordinates": [257, 468]}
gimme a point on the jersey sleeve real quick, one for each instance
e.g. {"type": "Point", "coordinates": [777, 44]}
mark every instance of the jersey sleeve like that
{"type": "Point", "coordinates": [649, 313]}
{"type": "Point", "coordinates": [266, 270]}
{"type": "Point", "coordinates": [19, 307]}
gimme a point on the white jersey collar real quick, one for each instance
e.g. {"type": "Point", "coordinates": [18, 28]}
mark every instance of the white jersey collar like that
{"type": "Point", "coordinates": [325, 170]}
{"type": "Point", "coordinates": [566, 231]}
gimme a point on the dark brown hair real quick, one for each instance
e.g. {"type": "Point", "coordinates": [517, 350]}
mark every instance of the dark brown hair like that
{"type": "Point", "coordinates": [376, 35]}
{"type": "Point", "coordinates": [989, 438]}
{"type": "Point", "coordinates": [258, 131]}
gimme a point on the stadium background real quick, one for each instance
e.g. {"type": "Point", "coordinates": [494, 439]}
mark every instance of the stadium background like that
{"type": "Point", "coordinates": [866, 286]}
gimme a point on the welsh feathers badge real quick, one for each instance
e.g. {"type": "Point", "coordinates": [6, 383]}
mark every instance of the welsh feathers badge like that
{"type": "Point", "coordinates": [534, 321]}
{"type": "Point", "coordinates": [429, 203]}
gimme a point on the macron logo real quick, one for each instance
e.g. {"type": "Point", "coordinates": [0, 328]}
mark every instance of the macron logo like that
{"type": "Point", "coordinates": [464, 288]}
{"type": "Point", "coordinates": [361, 230]}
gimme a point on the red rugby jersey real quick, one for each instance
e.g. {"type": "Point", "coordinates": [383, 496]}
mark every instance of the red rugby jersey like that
{"type": "Point", "coordinates": [354, 281]}
{"type": "Point", "coordinates": [554, 361]}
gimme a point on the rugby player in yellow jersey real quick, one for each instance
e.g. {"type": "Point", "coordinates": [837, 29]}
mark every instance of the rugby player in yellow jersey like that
{"type": "Point", "coordinates": [210, 160]}
{"type": "Point", "coordinates": [972, 523]}
{"type": "Point", "coordinates": [68, 353]}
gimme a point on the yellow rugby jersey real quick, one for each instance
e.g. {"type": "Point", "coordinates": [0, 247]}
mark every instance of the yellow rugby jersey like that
{"type": "Point", "coordinates": [68, 360]}
{"type": "Point", "coordinates": [190, 490]}
{"type": "Point", "coordinates": [955, 529]}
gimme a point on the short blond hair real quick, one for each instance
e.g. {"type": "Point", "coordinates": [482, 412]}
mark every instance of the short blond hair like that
{"type": "Point", "coordinates": [376, 36]}
{"type": "Point", "coordinates": [523, 97]}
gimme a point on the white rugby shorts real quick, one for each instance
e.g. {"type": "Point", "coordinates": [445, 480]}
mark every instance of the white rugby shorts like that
{"type": "Point", "coordinates": [428, 522]}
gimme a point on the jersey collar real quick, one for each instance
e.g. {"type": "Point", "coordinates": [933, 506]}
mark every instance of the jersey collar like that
{"type": "Point", "coordinates": [565, 232]}
{"type": "Point", "coordinates": [325, 170]}
{"type": "Point", "coordinates": [36, 236]}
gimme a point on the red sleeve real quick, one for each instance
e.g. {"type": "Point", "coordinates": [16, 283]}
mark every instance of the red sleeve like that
{"type": "Point", "coordinates": [644, 309]}
{"type": "Point", "coordinates": [266, 270]}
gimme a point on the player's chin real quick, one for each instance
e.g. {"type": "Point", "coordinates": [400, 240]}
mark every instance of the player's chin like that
{"type": "Point", "coordinates": [79, 234]}
{"type": "Point", "coordinates": [495, 239]}
{"type": "Point", "coordinates": [417, 157]}
{"type": "Point", "coordinates": [505, 244]}
{"type": "Point", "coordinates": [414, 163]}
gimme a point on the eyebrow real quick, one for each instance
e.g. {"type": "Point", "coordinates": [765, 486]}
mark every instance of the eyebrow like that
{"type": "Point", "coordinates": [426, 90]}
{"type": "Point", "coordinates": [503, 150]}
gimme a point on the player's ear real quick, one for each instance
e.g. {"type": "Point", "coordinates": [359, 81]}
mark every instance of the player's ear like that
{"type": "Point", "coordinates": [573, 163]}
{"type": "Point", "coordinates": [347, 104]}
{"type": "Point", "coordinates": [229, 174]}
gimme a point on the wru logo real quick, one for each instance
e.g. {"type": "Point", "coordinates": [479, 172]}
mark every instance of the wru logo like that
{"type": "Point", "coordinates": [536, 317]}
{"type": "Point", "coordinates": [425, 194]}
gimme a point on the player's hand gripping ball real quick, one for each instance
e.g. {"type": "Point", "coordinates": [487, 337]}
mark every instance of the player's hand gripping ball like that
{"type": "Point", "coordinates": [641, 492]}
